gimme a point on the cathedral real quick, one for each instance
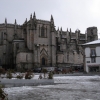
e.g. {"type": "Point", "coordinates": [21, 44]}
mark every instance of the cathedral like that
{"type": "Point", "coordinates": [37, 43]}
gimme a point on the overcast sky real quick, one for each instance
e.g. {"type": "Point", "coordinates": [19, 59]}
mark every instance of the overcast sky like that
{"type": "Point", "coordinates": [74, 14]}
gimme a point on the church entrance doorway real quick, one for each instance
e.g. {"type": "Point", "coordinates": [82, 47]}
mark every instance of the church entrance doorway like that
{"type": "Point", "coordinates": [43, 61]}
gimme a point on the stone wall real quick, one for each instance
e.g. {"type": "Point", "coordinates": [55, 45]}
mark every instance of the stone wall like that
{"type": "Point", "coordinates": [24, 60]}
{"type": "Point", "coordinates": [25, 82]}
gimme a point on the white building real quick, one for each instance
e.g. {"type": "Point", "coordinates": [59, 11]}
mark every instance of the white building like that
{"type": "Point", "coordinates": [92, 56]}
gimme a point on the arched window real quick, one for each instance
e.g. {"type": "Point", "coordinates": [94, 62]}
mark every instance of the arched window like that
{"type": "Point", "coordinates": [42, 31]}
{"type": "Point", "coordinates": [43, 61]}
{"type": "Point", "coordinates": [39, 30]}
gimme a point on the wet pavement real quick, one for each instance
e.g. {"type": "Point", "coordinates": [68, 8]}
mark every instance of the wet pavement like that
{"type": "Point", "coordinates": [66, 88]}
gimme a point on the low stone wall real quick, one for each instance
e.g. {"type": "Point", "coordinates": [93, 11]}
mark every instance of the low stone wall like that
{"type": "Point", "coordinates": [25, 82]}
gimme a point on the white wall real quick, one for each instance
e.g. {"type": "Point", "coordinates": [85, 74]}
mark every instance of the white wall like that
{"type": "Point", "coordinates": [98, 51]}
{"type": "Point", "coordinates": [87, 52]}
{"type": "Point", "coordinates": [88, 58]}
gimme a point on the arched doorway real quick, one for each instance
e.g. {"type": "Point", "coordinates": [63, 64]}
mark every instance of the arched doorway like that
{"type": "Point", "coordinates": [43, 61]}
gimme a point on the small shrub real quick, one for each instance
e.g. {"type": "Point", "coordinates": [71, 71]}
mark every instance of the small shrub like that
{"type": "Point", "coordinates": [1, 92]}
{"type": "Point", "coordinates": [9, 75]}
{"type": "Point", "coordinates": [44, 71]}
{"type": "Point", "coordinates": [2, 71]}
{"type": "Point", "coordinates": [12, 70]}
{"type": "Point", "coordinates": [71, 70]}
{"type": "Point", "coordinates": [50, 75]}
{"type": "Point", "coordinates": [22, 70]}
{"type": "Point", "coordinates": [19, 76]}
{"type": "Point", "coordinates": [53, 72]}
{"type": "Point", "coordinates": [28, 75]}
{"type": "Point", "coordinates": [2, 96]}
{"type": "Point", "coordinates": [2, 86]}
{"type": "Point", "coordinates": [64, 71]}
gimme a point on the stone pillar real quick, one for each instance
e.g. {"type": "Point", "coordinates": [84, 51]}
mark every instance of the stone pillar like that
{"type": "Point", "coordinates": [65, 57]}
{"type": "Point", "coordinates": [53, 49]}
{"type": "Point", "coordinates": [31, 39]}
{"type": "Point", "coordinates": [28, 39]}
{"type": "Point", "coordinates": [50, 56]}
{"type": "Point", "coordinates": [38, 55]}
{"type": "Point", "coordinates": [35, 55]}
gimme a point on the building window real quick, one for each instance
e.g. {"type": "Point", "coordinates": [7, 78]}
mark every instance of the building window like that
{"type": "Point", "coordinates": [46, 31]}
{"type": "Point", "coordinates": [88, 61]}
{"type": "Point", "coordinates": [1, 38]}
{"type": "Point", "coordinates": [93, 51]}
{"type": "Point", "coordinates": [93, 60]}
{"type": "Point", "coordinates": [39, 30]}
{"type": "Point", "coordinates": [42, 31]}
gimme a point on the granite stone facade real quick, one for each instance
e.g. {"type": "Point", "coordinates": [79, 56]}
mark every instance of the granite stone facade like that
{"type": "Point", "coordinates": [36, 43]}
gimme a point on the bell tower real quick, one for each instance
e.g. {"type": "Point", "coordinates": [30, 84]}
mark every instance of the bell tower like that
{"type": "Point", "coordinates": [92, 34]}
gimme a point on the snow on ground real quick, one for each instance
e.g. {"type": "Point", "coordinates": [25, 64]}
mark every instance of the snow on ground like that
{"type": "Point", "coordinates": [66, 79]}
{"type": "Point", "coordinates": [71, 88]}
{"type": "Point", "coordinates": [36, 77]}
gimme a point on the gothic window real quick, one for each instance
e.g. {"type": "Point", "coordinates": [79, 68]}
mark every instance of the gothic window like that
{"type": "Point", "coordinates": [46, 31]}
{"type": "Point", "coordinates": [42, 31]}
{"type": "Point", "coordinates": [39, 30]}
{"type": "Point", "coordinates": [1, 38]}
{"type": "Point", "coordinates": [43, 61]}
